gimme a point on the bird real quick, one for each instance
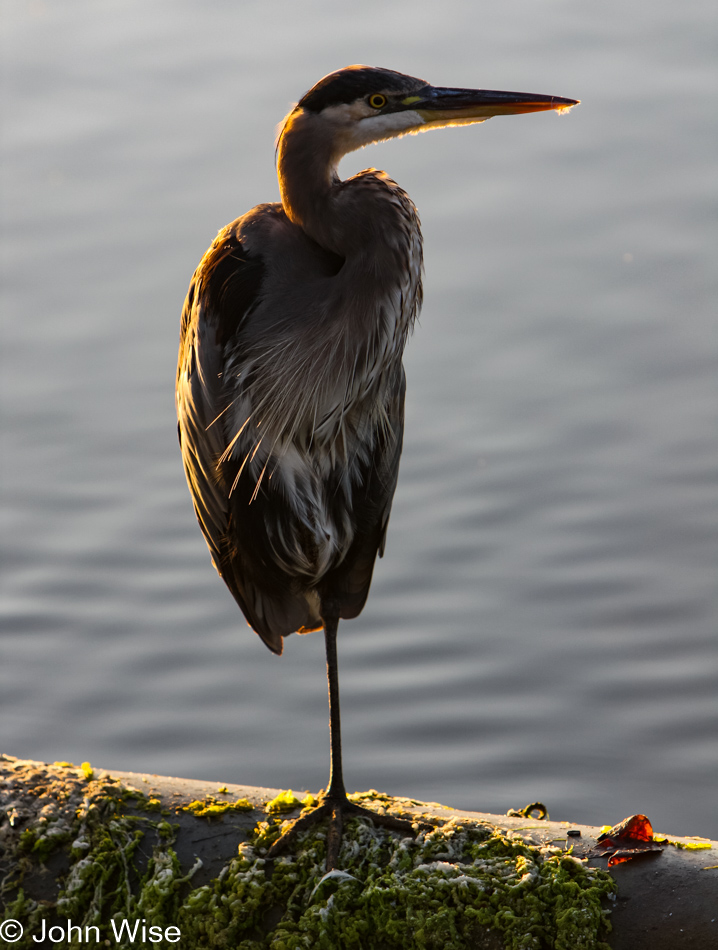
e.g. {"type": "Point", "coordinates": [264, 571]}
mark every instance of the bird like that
{"type": "Point", "coordinates": [290, 384]}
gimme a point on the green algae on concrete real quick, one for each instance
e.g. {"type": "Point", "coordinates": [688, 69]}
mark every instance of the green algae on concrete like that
{"type": "Point", "coordinates": [211, 807]}
{"type": "Point", "coordinates": [287, 801]}
{"type": "Point", "coordinates": [463, 884]}
{"type": "Point", "coordinates": [450, 888]}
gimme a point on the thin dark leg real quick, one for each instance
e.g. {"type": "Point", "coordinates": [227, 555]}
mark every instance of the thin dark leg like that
{"type": "Point", "coordinates": [335, 790]}
{"type": "Point", "coordinates": [334, 802]}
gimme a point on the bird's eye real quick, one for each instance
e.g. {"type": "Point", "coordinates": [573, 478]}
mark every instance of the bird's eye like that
{"type": "Point", "coordinates": [377, 101]}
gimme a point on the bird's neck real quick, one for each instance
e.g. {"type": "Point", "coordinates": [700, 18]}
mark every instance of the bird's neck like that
{"type": "Point", "coordinates": [371, 224]}
{"type": "Point", "coordinates": [312, 195]}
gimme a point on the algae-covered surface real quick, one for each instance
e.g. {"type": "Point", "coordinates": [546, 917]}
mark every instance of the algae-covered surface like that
{"type": "Point", "coordinates": [84, 848]}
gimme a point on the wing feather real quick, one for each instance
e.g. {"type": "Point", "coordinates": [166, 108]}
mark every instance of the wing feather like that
{"type": "Point", "coordinates": [222, 294]}
{"type": "Point", "coordinates": [292, 467]}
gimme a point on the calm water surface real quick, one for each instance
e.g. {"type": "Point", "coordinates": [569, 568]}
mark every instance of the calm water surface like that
{"type": "Point", "coordinates": [543, 625]}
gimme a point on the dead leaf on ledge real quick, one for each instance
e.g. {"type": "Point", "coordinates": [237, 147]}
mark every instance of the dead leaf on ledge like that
{"type": "Point", "coordinates": [629, 839]}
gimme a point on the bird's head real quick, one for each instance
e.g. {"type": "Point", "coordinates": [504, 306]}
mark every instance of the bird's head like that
{"type": "Point", "coordinates": [359, 105]}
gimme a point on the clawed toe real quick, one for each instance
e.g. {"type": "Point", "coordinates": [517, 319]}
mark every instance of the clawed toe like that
{"type": "Point", "coordinates": [301, 824]}
{"type": "Point", "coordinates": [336, 810]}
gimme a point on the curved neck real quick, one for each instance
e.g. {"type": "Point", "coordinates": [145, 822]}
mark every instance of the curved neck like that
{"type": "Point", "coordinates": [367, 220]}
{"type": "Point", "coordinates": [308, 153]}
{"type": "Point", "coordinates": [307, 172]}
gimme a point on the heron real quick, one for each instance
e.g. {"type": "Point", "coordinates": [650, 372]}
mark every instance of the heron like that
{"type": "Point", "coordinates": [290, 383]}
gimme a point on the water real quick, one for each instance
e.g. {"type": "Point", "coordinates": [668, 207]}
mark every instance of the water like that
{"type": "Point", "coordinates": [543, 625]}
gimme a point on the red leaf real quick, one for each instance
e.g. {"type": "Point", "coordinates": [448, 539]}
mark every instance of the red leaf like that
{"type": "Point", "coordinates": [635, 828]}
{"type": "Point", "coordinates": [626, 840]}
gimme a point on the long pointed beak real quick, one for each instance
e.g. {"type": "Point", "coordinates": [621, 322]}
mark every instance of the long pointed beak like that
{"type": "Point", "coordinates": [441, 106]}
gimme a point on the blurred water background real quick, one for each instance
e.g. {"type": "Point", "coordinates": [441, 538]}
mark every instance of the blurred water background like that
{"type": "Point", "coordinates": [543, 625]}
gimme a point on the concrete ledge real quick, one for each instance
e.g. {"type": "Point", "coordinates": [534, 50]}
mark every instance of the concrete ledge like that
{"type": "Point", "coordinates": [666, 900]}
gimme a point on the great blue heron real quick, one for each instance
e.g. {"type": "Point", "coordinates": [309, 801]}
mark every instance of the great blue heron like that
{"type": "Point", "coordinates": [290, 384]}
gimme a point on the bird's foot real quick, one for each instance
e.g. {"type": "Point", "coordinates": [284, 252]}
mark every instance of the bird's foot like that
{"type": "Point", "coordinates": [336, 808]}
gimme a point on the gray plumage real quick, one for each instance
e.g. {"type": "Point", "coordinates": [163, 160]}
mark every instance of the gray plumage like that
{"type": "Point", "coordinates": [290, 388]}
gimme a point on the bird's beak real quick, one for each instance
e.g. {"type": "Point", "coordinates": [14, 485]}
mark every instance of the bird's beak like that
{"type": "Point", "coordinates": [439, 106]}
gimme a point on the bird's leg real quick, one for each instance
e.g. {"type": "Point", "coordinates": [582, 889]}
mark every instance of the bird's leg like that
{"type": "Point", "coordinates": [334, 802]}
{"type": "Point", "coordinates": [336, 792]}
